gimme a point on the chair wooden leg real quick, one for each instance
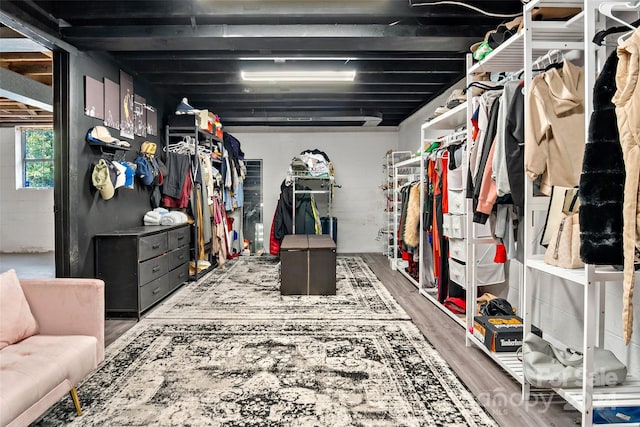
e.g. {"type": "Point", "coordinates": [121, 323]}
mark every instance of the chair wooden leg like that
{"type": "Point", "coordinates": [76, 402]}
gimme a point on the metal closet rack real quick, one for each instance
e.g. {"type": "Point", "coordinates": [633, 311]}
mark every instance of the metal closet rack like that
{"type": "Point", "coordinates": [327, 185]}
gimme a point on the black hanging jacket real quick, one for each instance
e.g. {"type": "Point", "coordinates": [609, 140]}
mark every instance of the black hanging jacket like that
{"type": "Point", "coordinates": [603, 174]}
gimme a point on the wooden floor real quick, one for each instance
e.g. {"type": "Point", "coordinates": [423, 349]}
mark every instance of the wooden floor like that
{"type": "Point", "coordinates": [495, 389]}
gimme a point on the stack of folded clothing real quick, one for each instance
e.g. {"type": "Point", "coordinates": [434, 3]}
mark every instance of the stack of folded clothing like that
{"type": "Point", "coordinates": [174, 218]}
{"type": "Point", "coordinates": [153, 217]}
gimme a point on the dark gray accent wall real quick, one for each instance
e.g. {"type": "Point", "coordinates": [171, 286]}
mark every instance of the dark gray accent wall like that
{"type": "Point", "coordinates": [81, 212]}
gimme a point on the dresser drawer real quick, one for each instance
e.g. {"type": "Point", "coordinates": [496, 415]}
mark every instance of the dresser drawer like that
{"type": "Point", "coordinates": [178, 276]}
{"type": "Point", "coordinates": [456, 201]}
{"type": "Point", "coordinates": [178, 256]}
{"type": "Point", "coordinates": [150, 246]}
{"type": "Point", "coordinates": [179, 237]}
{"type": "Point", "coordinates": [152, 269]}
{"type": "Point", "coordinates": [153, 291]}
{"type": "Point", "coordinates": [458, 273]}
{"type": "Point", "coordinates": [454, 226]}
{"type": "Point", "coordinates": [458, 249]}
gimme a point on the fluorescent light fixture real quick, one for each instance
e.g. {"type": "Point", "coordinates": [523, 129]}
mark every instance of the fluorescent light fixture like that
{"type": "Point", "coordinates": [298, 76]}
{"type": "Point", "coordinates": [297, 58]}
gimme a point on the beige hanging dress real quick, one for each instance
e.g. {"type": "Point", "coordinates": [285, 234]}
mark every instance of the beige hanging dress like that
{"type": "Point", "coordinates": [627, 102]}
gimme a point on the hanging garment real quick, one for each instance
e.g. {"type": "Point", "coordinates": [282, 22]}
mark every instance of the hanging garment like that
{"type": "Point", "coordinates": [514, 149]}
{"type": "Point", "coordinates": [182, 201]}
{"type": "Point", "coordinates": [499, 165]}
{"type": "Point", "coordinates": [486, 190]}
{"type": "Point", "coordinates": [602, 179]}
{"type": "Point", "coordinates": [627, 102]}
{"type": "Point", "coordinates": [554, 127]}
{"type": "Point", "coordinates": [178, 166]}
{"type": "Point", "coordinates": [484, 156]}
{"type": "Point", "coordinates": [485, 126]}
{"type": "Point", "coordinates": [412, 227]}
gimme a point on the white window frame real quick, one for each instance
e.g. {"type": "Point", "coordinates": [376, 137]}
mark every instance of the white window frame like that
{"type": "Point", "coordinates": [20, 161]}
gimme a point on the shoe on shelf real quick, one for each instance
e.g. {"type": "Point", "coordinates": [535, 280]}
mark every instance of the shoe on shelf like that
{"type": "Point", "coordinates": [184, 108]}
{"type": "Point", "coordinates": [456, 98]}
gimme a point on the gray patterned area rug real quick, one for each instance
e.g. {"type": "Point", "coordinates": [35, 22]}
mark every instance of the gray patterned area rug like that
{"type": "Point", "coordinates": [228, 350]}
{"type": "Point", "coordinates": [250, 288]}
{"type": "Point", "coordinates": [272, 373]}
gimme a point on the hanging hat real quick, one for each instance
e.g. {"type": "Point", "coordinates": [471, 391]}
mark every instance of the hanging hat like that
{"type": "Point", "coordinates": [148, 147]}
{"type": "Point", "coordinates": [101, 179]}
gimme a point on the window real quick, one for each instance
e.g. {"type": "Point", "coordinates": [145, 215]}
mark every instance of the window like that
{"type": "Point", "coordinates": [37, 157]}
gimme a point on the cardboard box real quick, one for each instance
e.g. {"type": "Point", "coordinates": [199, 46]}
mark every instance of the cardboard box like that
{"type": "Point", "coordinates": [202, 118]}
{"type": "Point", "coordinates": [500, 333]}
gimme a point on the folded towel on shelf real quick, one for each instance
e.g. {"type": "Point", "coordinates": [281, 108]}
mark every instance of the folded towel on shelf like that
{"type": "Point", "coordinates": [174, 218]}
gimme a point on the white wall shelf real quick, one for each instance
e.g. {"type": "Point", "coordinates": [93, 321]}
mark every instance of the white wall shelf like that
{"type": "Point", "coordinates": [576, 275]}
{"type": "Point", "coordinates": [507, 57]}
{"type": "Point", "coordinates": [627, 394]}
{"type": "Point", "coordinates": [450, 120]}
{"type": "Point", "coordinates": [508, 361]}
{"type": "Point", "coordinates": [412, 162]}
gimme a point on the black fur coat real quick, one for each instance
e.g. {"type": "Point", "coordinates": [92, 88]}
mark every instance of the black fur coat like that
{"type": "Point", "coordinates": [602, 179]}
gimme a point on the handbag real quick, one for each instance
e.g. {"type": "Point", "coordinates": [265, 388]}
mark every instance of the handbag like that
{"type": "Point", "coordinates": [546, 366]}
{"type": "Point", "coordinates": [562, 199]}
{"type": "Point", "coordinates": [564, 247]}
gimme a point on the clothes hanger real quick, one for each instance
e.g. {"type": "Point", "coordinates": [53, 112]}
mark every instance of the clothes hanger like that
{"type": "Point", "coordinates": [600, 35]}
{"type": "Point", "coordinates": [606, 9]}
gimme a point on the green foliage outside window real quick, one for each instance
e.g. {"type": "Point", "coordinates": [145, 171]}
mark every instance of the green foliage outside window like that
{"type": "Point", "coordinates": [38, 157]}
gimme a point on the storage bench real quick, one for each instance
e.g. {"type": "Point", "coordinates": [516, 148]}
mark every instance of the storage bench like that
{"type": "Point", "coordinates": [308, 265]}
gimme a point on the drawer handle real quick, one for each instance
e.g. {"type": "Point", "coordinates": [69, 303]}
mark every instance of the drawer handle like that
{"type": "Point", "coordinates": [181, 275]}
{"type": "Point", "coordinates": [155, 291]}
{"type": "Point", "coordinates": [181, 257]}
{"type": "Point", "coordinates": [180, 238]}
{"type": "Point", "coordinates": [156, 246]}
{"type": "Point", "coordinates": [155, 269]}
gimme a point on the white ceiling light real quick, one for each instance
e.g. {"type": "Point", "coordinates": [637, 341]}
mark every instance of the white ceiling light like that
{"type": "Point", "coordinates": [298, 76]}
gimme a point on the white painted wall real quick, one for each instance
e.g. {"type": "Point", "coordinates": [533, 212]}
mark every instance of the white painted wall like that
{"type": "Point", "coordinates": [357, 155]}
{"type": "Point", "coordinates": [26, 215]}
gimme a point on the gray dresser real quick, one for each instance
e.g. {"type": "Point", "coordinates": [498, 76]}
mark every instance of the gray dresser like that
{"type": "Point", "coordinates": [141, 265]}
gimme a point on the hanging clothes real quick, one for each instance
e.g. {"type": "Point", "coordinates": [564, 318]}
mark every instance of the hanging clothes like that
{"type": "Point", "coordinates": [412, 228]}
{"type": "Point", "coordinates": [602, 180]}
{"type": "Point", "coordinates": [554, 131]}
{"type": "Point", "coordinates": [499, 165]}
{"type": "Point", "coordinates": [514, 149]}
{"type": "Point", "coordinates": [627, 102]}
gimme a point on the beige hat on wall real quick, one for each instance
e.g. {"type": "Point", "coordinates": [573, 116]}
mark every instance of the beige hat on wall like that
{"type": "Point", "coordinates": [101, 180]}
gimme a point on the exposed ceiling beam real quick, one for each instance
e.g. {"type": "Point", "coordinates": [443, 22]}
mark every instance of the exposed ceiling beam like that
{"type": "Point", "coordinates": [272, 9]}
{"type": "Point", "coordinates": [23, 89]}
{"type": "Point", "coordinates": [253, 37]}
{"type": "Point", "coordinates": [19, 45]}
{"type": "Point", "coordinates": [24, 57]}
{"type": "Point", "coordinates": [397, 78]}
{"type": "Point", "coordinates": [210, 67]}
{"type": "Point", "coordinates": [13, 16]}
{"type": "Point", "coordinates": [219, 89]}
{"type": "Point", "coordinates": [432, 55]}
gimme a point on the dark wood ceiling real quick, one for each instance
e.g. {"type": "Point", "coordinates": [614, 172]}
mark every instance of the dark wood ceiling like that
{"type": "Point", "coordinates": [30, 61]}
{"type": "Point", "coordinates": [404, 56]}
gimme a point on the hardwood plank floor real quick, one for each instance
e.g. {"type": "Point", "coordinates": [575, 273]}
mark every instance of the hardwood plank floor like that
{"type": "Point", "coordinates": [495, 389]}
